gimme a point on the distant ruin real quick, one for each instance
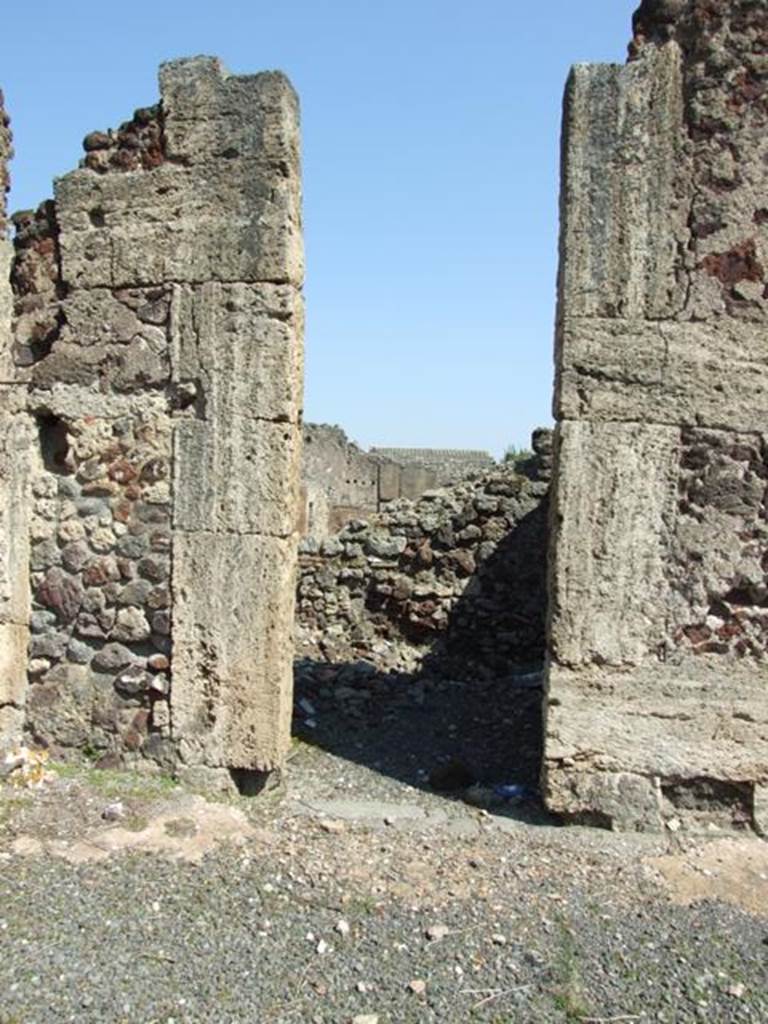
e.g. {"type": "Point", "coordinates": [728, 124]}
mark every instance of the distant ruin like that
{"type": "Point", "coordinates": [341, 482]}
{"type": "Point", "coordinates": [658, 700]}
{"type": "Point", "coordinates": [151, 353]}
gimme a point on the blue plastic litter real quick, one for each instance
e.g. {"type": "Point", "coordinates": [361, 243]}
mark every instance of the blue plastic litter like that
{"type": "Point", "coordinates": [514, 791]}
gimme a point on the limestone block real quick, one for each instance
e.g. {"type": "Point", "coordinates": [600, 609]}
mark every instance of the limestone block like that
{"type": "Point", "coordinates": [7, 367]}
{"type": "Point", "coordinates": [617, 800]}
{"type": "Point", "coordinates": [17, 438]}
{"type": "Point", "coordinates": [70, 401]}
{"type": "Point", "coordinates": [208, 111]}
{"type": "Point", "coordinates": [13, 664]}
{"type": "Point", "coordinates": [232, 623]}
{"type": "Point", "coordinates": [11, 726]}
{"type": "Point", "coordinates": [615, 499]}
{"type": "Point", "coordinates": [236, 476]}
{"type": "Point", "coordinates": [178, 223]}
{"type": "Point", "coordinates": [241, 345]}
{"type": "Point", "coordinates": [684, 722]}
{"type": "Point", "coordinates": [710, 374]}
{"type": "Point", "coordinates": [623, 210]}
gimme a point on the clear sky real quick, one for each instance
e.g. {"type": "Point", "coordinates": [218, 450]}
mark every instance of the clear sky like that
{"type": "Point", "coordinates": [431, 149]}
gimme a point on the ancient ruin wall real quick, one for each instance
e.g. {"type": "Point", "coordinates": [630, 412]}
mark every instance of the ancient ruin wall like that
{"type": "Point", "coordinates": [340, 482]}
{"type": "Point", "coordinates": [156, 358]}
{"type": "Point", "coordinates": [453, 583]}
{"type": "Point", "coordinates": [448, 465]}
{"type": "Point", "coordinates": [659, 595]}
{"type": "Point", "coordinates": [14, 444]}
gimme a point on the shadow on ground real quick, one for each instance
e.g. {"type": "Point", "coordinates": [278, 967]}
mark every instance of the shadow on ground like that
{"type": "Point", "coordinates": [469, 719]}
{"type": "Point", "coordinates": [462, 739]}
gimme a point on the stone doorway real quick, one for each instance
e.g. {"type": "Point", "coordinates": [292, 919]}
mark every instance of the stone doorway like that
{"type": "Point", "coordinates": [420, 635]}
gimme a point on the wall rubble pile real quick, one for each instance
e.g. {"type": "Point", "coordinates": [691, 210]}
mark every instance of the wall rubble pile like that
{"type": "Point", "coordinates": [658, 594]}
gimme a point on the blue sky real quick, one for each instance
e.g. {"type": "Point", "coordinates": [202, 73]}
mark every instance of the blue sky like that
{"type": "Point", "coordinates": [431, 150]}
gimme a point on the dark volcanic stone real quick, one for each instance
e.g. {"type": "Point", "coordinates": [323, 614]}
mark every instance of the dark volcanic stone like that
{"type": "Point", "coordinates": [62, 593]}
{"type": "Point", "coordinates": [451, 776]}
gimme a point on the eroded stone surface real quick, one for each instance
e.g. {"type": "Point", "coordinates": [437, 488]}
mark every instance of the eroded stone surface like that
{"type": "Point", "coordinates": [14, 481]}
{"type": "Point", "coordinates": [151, 393]}
{"type": "Point", "coordinates": [657, 678]}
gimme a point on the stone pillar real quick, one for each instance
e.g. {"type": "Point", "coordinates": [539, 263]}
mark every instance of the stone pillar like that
{"type": "Point", "coordinates": [657, 692]}
{"type": "Point", "coordinates": [14, 498]}
{"type": "Point", "coordinates": [158, 333]}
{"type": "Point", "coordinates": [238, 323]}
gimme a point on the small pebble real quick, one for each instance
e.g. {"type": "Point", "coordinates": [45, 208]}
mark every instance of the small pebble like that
{"type": "Point", "coordinates": [113, 811]}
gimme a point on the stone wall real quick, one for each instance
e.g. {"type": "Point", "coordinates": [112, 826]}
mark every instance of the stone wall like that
{"type": "Point", "coordinates": [15, 444]}
{"type": "Point", "coordinates": [340, 481]}
{"type": "Point", "coordinates": [155, 381]}
{"type": "Point", "coordinates": [453, 583]}
{"type": "Point", "coordinates": [447, 464]}
{"type": "Point", "coordinates": [659, 595]}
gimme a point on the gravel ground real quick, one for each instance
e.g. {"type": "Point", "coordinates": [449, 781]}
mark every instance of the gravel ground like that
{"type": "Point", "coordinates": [352, 896]}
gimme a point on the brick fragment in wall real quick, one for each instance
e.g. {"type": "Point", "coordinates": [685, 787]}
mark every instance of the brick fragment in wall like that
{"type": "Point", "coordinates": [658, 579]}
{"type": "Point", "coordinates": [136, 145]}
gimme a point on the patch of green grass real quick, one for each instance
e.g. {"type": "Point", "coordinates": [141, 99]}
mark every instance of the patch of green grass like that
{"type": "Point", "coordinates": [9, 804]}
{"type": "Point", "coordinates": [361, 905]}
{"type": "Point", "coordinates": [111, 783]}
{"type": "Point", "coordinates": [569, 994]}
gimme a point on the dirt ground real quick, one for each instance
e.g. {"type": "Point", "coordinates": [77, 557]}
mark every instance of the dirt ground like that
{"type": "Point", "coordinates": [353, 895]}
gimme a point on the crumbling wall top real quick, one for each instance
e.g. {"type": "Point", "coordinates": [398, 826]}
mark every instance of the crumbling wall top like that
{"type": "Point", "coordinates": [697, 24]}
{"type": "Point", "coordinates": [6, 152]}
{"type": "Point", "coordinates": [210, 113]}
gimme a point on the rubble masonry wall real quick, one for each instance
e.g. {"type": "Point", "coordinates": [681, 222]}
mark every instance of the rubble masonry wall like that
{"type": "Point", "coordinates": [154, 380]}
{"type": "Point", "coordinates": [658, 592]}
{"type": "Point", "coordinates": [452, 583]}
